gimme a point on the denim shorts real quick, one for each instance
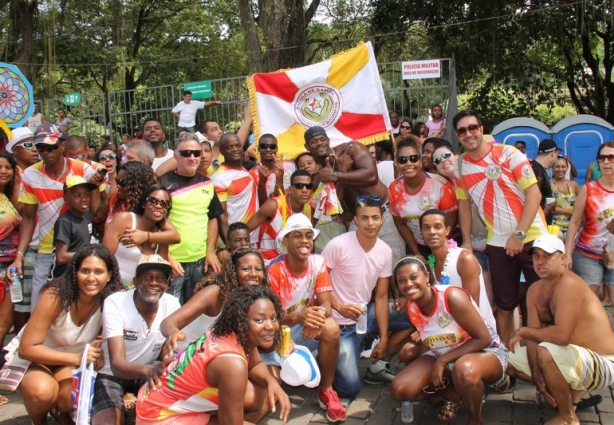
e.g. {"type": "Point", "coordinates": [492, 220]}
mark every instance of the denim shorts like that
{"type": "Point", "coordinates": [591, 270]}
{"type": "Point", "coordinates": [482, 259]}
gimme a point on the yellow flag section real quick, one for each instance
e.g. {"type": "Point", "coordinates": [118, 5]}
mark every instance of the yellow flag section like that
{"type": "Point", "coordinates": [343, 95]}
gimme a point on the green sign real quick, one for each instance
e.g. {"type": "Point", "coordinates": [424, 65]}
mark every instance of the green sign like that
{"type": "Point", "coordinates": [72, 99]}
{"type": "Point", "coordinates": [199, 89]}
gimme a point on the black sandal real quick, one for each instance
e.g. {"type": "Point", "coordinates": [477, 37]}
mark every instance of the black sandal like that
{"type": "Point", "coordinates": [591, 401]}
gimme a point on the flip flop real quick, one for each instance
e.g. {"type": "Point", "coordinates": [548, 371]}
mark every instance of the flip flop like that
{"type": "Point", "coordinates": [591, 401]}
{"type": "Point", "coordinates": [507, 387]}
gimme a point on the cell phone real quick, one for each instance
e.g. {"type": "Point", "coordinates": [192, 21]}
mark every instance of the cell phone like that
{"type": "Point", "coordinates": [102, 172]}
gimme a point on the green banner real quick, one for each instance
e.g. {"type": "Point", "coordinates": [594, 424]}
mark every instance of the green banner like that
{"type": "Point", "coordinates": [72, 99]}
{"type": "Point", "coordinates": [199, 89]}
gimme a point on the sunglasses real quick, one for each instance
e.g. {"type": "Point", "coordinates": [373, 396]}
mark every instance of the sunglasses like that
{"type": "Point", "coordinates": [189, 152]}
{"type": "Point", "coordinates": [430, 389]}
{"type": "Point", "coordinates": [300, 186]}
{"type": "Point", "coordinates": [462, 131]}
{"type": "Point", "coordinates": [108, 156]}
{"type": "Point", "coordinates": [411, 158]}
{"type": "Point", "coordinates": [41, 147]}
{"type": "Point", "coordinates": [271, 146]}
{"type": "Point", "coordinates": [161, 202]}
{"type": "Point", "coordinates": [121, 182]}
{"type": "Point", "coordinates": [25, 145]}
{"type": "Point", "coordinates": [369, 200]}
{"type": "Point", "coordinates": [445, 155]}
{"type": "Point", "coordinates": [602, 158]}
{"type": "Point", "coordinates": [406, 127]}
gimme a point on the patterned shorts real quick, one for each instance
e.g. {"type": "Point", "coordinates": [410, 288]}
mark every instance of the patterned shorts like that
{"type": "Point", "coordinates": [28, 272]}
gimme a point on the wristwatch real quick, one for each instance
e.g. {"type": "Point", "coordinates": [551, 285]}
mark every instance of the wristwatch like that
{"type": "Point", "coordinates": [321, 307]}
{"type": "Point", "coordinates": [333, 176]}
{"type": "Point", "coordinates": [520, 235]}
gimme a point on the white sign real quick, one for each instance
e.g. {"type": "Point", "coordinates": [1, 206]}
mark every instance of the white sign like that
{"type": "Point", "coordinates": [415, 70]}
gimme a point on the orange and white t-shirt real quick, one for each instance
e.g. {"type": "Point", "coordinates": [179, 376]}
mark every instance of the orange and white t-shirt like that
{"type": "Point", "coordinates": [235, 186]}
{"type": "Point", "coordinates": [598, 211]}
{"type": "Point", "coordinates": [497, 184]}
{"type": "Point", "coordinates": [289, 168]}
{"type": "Point", "coordinates": [40, 188]}
{"type": "Point", "coordinates": [297, 292]}
{"type": "Point", "coordinates": [436, 192]}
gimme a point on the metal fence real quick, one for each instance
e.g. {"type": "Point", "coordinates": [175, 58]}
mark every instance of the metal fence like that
{"type": "Point", "coordinates": [119, 112]}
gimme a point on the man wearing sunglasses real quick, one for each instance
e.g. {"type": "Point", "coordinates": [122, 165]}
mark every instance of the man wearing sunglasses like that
{"type": "Point", "coordinates": [22, 147]}
{"type": "Point", "coordinates": [195, 210]}
{"type": "Point", "coordinates": [272, 216]}
{"type": "Point", "coordinates": [502, 184]}
{"type": "Point", "coordinates": [42, 197]}
{"type": "Point", "coordinates": [271, 174]}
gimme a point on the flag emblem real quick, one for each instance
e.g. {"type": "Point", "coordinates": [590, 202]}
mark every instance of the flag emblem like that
{"type": "Point", "coordinates": [318, 104]}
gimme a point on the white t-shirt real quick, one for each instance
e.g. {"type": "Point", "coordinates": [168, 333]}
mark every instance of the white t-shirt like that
{"type": "Point", "coordinates": [353, 271]}
{"type": "Point", "coordinates": [121, 318]}
{"type": "Point", "coordinates": [159, 161]}
{"type": "Point", "coordinates": [187, 112]}
{"type": "Point", "coordinates": [385, 171]}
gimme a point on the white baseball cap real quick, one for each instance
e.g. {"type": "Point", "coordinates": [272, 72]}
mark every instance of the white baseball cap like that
{"type": "Point", "coordinates": [549, 243]}
{"type": "Point", "coordinates": [201, 138]}
{"type": "Point", "coordinates": [300, 368]}
{"type": "Point", "coordinates": [19, 134]}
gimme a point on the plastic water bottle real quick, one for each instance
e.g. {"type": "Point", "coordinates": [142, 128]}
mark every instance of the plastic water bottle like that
{"type": "Point", "coordinates": [407, 412]}
{"type": "Point", "coordinates": [16, 292]}
{"type": "Point", "coordinates": [361, 325]}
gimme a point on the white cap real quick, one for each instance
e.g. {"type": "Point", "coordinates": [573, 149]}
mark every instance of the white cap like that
{"type": "Point", "coordinates": [19, 134]}
{"type": "Point", "coordinates": [202, 138]}
{"type": "Point", "coordinates": [295, 222]}
{"type": "Point", "coordinates": [300, 368]}
{"type": "Point", "coordinates": [549, 243]}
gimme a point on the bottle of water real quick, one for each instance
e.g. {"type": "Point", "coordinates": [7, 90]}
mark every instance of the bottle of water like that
{"type": "Point", "coordinates": [361, 325]}
{"type": "Point", "coordinates": [16, 292]}
{"type": "Point", "coordinates": [407, 412]}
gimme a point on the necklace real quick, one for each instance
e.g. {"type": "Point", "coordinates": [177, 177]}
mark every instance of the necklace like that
{"type": "Point", "coordinates": [445, 272]}
{"type": "Point", "coordinates": [50, 177]}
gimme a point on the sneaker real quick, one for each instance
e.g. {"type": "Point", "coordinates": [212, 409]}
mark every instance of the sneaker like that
{"type": "Point", "coordinates": [329, 401]}
{"type": "Point", "coordinates": [384, 376]}
{"type": "Point", "coordinates": [366, 354]}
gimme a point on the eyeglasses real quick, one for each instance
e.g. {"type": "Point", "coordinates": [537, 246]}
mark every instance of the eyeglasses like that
{"type": "Point", "coordinates": [271, 146]}
{"type": "Point", "coordinates": [121, 182]}
{"type": "Point", "coordinates": [300, 186]}
{"type": "Point", "coordinates": [462, 131]}
{"type": "Point", "coordinates": [25, 145]}
{"type": "Point", "coordinates": [189, 152]}
{"type": "Point", "coordinates": [370, 200]}
{"type": "Point", "coordinates": [163, 203]}
{"type": "Point", "coordinates": [108, 156]}
{"type": "Point", "coordinates": [406, 127]}
{"type": "Point", "coordinates": [429, 389]}
{"type": "Point", "coordinates": [42, 147]}
{"type": "Point", "coordinates": [602, 158]}
{"type": "Point", "coordinates": [411, 158]}
{"type": "Point", "coordinates": [445, 155]}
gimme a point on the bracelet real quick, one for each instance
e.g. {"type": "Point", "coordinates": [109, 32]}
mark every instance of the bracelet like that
{"type": "Point", "coordinates": [147, 236]}
{"type": "Point", "coordinates": [20, 253]}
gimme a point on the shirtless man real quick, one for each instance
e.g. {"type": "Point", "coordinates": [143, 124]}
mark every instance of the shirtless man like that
{"type": "Point", "coordinates": [354, 170]}
{"type": "Point", "coordinates": [566, 322]}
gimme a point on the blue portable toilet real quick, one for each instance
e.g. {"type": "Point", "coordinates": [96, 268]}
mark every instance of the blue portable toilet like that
{"type": "Point", "coordinates": [579, 137]}
{"type": "Point", "coordinates": [529, 130]}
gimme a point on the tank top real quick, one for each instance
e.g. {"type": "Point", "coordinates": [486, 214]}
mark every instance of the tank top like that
{"type": "Point", "coordinates": [563, 201]}
{"type": "Point", "coordinates": [438, 330]}
{"type": "Point", "coordinates": [128, 258]}
{"type": "Point", "coordinates": [451, 270]}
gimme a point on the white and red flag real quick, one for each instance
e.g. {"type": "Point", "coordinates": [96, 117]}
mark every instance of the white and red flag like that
{"type": "Point", "coordinates": [343, 95]}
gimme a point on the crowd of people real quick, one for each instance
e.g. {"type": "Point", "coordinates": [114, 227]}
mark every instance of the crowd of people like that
{"type": "Point", "coordinates": [177, 265]}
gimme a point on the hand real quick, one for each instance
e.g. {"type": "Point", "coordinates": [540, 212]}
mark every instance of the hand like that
{"type": "Point", "coordinates": [568, 262]}
{"type": "Point", "coordinates": [437, 373]}
{"type": "Point", "coordinates": [176, 267]}
{"type": "Point", "coordinates": [350, 311]}
{"type": "Point", "coordinates": [310, 333]}
{"type": "Point", "coordinates": [415, 337]}
{"type": "Point", "coordinates": [133, 237]}
{"type": "Point", "coordinates": [540, 383]}
{"type": "Point", "coordinates": [379, 351]}
{"type": "Point", "coordinates": [344, 162]}
{"type": "Point", "coordinates": [223, 255]}
{"type": "Point", "coordinates": [326, 171]}
{"type": "Point", "coordinates": [155, 371]}
{"type": "Point", "coordinates": [276, 394]}
{"type": "Point", "coordinates": [279, 171]}
{"type": "Point", "coordinates": [170, 345]}
{"type": "Point", "coordinates": [94, 352]}
{"type": "Point", "coordinates": [399, 304]}
{"type": "Point", "coordinates": [264, 174]}
{"type": "Point", "coordinates": [96, 179]}
{"type": "Point", "coordinates": [549, 208]}
{"type": "Point", "coordinates": [311, 317]}
{"type": "Point", "coordinates": [513, 246]}
{"type": "Point", "coordinates": [212, 261]}
{"type": "Point", "coordinates": [17, 265]}
{"type": "Point", "coordinates": [515, 338]}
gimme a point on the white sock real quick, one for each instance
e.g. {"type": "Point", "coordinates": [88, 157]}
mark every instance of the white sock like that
{"type": "Point", "coordinates": [378, 367]}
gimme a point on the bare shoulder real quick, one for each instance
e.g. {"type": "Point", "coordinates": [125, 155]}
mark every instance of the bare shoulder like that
{"type": "Point", "coordinates": [570, 286]}
{"type": "Point", "coordinates": [352, 148]}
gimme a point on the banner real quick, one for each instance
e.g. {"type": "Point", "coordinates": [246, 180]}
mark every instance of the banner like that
{"type": "Point", "coordinates": [343, 95]}
{"type": "Point", "coordinates": [416, 70]}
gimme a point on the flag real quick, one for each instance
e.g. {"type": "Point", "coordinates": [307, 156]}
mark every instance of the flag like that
{"type": "Point", "coordinates": [343, 95]}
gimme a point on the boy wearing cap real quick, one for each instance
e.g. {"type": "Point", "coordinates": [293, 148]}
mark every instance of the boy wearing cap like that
{"type": "Point", "coordinates": [569, 341]}
{"type": "Point", "coordinates": [74, 228]}
{"type": "Point", "coordinates": [302, 284]}
{"type": "Point", "coordinates": [131, 326]}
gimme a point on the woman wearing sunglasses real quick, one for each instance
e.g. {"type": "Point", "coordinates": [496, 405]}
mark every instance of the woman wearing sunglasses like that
{"type": "Point", "coordinates": [464, 353]}
{"type": "Point", "coordinates": [414, 193]}
{"type": "Point", "coordinates": [145, 231]}
{"type": "Point", "coordinates": [108, 158]}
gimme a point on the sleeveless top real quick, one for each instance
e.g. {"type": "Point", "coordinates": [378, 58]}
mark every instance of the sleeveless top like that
{"type": "Point", "coordinates": [598, 211]}
{"type": "Point", "coordinates": [451, 270]}
{"type": "Point", "coordinates": [563, 201]}
{"type": "Point", "coordinates": [128, 258]}
{"type": "Point", "coordinates": [439, 331]}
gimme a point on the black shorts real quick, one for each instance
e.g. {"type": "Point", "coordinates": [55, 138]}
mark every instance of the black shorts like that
{"type": "Point", "coordinates": [109, 392]}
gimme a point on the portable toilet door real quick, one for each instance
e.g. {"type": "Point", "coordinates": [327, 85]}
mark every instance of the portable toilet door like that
{"type": "Point", "coordinates": [580, 136]}
{"type": "Point", "coordinates": [528, 130]}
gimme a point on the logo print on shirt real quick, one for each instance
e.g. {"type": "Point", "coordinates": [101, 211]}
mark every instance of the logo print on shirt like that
{"type": "Point", "coordinates": [425, 203]}
{"type": "Point", "coordinates": [493, 172]}
{"type": "Point", "coordinates": [527, 171]}
{"type": "Point", "coordinates": [443, 318]}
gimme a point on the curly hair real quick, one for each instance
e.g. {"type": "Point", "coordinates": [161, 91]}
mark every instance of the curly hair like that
{"type": "Point", "coordinates": [408, 141]}
{"type": "Point", "coordinates": [66, 288]}
{"type": "Point", "coordinates": [140, 207]}
{"type": "Point", "coordinates": [10, 186]}
{"type": "Point", "coordinates": [139, 177]}
{"type": "Point", "coordinates": [233, 317]}
{"type": "Point", "coordinates": [227, 279]}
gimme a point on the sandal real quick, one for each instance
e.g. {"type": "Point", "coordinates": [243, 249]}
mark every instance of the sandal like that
{"type": "Point", "coordinates": [448, 411]}
{"type": "Point", "coordinates": [585, 403]}
{"type": "Point", "coordinates": [506, 386]}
